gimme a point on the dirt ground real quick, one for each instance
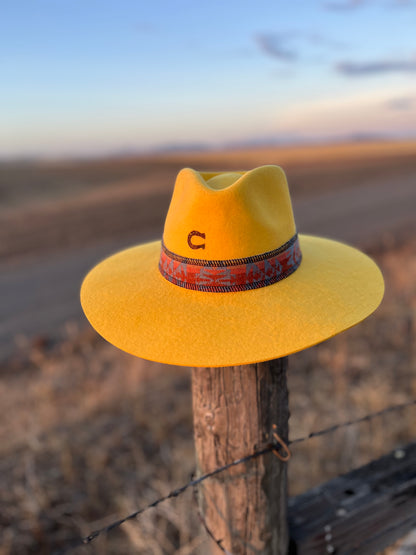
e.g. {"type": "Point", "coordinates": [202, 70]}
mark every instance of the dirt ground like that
{"type": "Point", "coordinates": [89, 434]}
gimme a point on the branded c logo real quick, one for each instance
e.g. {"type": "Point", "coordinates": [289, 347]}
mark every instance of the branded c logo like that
{"type": "Point", "coordinates": [198, 234]}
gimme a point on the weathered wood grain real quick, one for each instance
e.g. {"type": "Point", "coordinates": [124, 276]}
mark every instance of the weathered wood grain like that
{"type": "Point", "coordinates": [234, 409]}
{"type": "Point", "coordinates": [361, 512]}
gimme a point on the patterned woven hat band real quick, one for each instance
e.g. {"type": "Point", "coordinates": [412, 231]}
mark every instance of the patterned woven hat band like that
{"type": "Point", "coordinates": [230, 215]}
{"type": "Point", "coordinates": [231, 282]}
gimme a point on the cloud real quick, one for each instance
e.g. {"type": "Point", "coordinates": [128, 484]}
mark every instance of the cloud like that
{"type": "Point", "coordinates": [362, 115]}
{"type": "Point", "coordinates": [273, 44]}
{"type": "Point", "coordinates": [285, 46]}
{"type": "Point", "coordinates": [376, 67]}
{"type": "Point", "coordinates": [402, 103]}
{"type": "Point", "coordinates": [403, 3]}
{"type": "Point", "coordinates": [344, 4]}
{"type": "Point", "coordinates": [145, 28]}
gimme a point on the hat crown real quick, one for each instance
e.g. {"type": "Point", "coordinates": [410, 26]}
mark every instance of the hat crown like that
{"type": "Point", "coordinates": [229, 215]}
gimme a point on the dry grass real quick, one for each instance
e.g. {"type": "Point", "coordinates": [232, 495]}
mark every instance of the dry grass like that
{"type": "Point", "coordinates": [89, 434]}
{"type": "Point", "coordinates": [362, 370]}
{"type": "Point", "coordinates": [92, 434]}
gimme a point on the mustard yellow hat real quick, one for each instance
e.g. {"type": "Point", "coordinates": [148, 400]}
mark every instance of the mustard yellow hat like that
{"type": "Point", "coordinates": [231, 282]}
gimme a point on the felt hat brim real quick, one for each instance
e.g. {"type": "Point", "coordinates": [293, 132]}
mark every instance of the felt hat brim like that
{"type": "Point", "coordinates": [132, 306]}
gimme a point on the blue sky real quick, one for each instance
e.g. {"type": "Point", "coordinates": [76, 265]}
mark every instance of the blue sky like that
{"type": "Point", "coordinates": [90, 77]}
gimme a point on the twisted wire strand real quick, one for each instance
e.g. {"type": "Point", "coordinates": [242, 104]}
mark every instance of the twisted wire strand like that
{"type": "Point", "coordinates": [272, 446]}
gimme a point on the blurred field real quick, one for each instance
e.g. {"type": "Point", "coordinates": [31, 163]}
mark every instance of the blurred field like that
{"type": "Point", "coordinates": [48, 206]}
{"type": "Point", "coordinates": [89, 434]}
{"type": "Point", "coordinates": [34, 182]}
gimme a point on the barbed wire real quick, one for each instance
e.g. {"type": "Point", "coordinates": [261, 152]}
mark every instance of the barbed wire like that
{"type": "Point", "coordinates": [359, 420]}
{"type": "Point", "coordinates": [174, 493]}
{"type": "Point", "coordinates": [269, 447]}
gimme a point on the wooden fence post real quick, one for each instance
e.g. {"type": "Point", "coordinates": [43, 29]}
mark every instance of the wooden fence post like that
{"type": "Point", "coordinates": [234, 409]}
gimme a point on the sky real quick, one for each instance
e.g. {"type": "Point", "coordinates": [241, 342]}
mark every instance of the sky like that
{"type": "Point", "coordinates": [101, 77]}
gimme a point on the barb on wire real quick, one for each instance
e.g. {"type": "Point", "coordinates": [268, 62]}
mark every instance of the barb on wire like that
{"type": "Point", "coordinates": [276, 445]}
{"type": "Point", "coordinates": [174, 493]}
{"type": "Point", "coordinates": [365, 418]}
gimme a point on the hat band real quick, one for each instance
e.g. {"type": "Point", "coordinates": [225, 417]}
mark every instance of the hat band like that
{"type": "Point", "coordinates": [239, 274]}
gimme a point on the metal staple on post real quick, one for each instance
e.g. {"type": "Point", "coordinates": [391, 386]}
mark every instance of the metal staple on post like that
{"type": "Point", "coordinates": [270, 447]}
{"type": "Point", "coordinates": [236, 409]}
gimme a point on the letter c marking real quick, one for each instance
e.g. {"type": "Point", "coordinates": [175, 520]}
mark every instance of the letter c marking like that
{"type": "Point", "coordinates": [193, 245]}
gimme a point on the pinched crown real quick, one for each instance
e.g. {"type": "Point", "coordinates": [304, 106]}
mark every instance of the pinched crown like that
{"type": "Point", "coordinates": [229, 215]}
